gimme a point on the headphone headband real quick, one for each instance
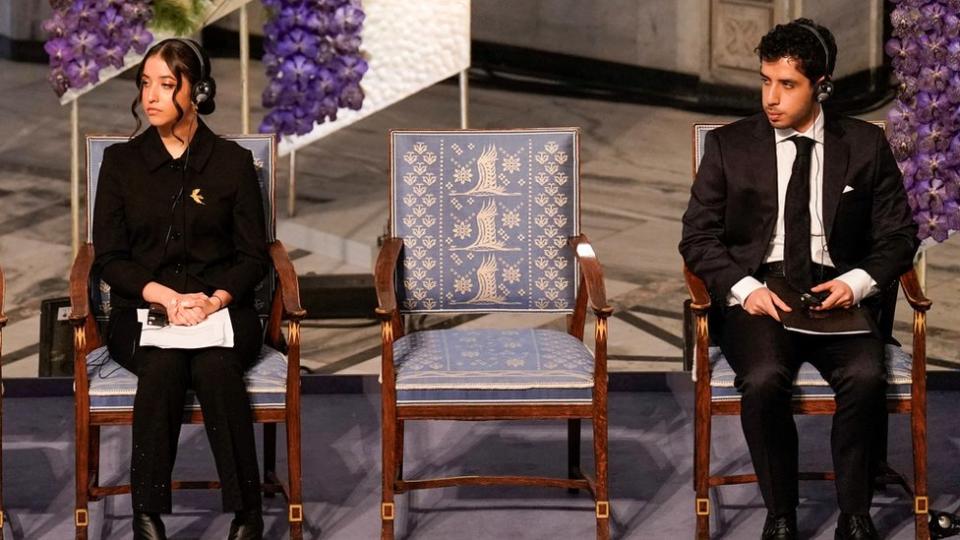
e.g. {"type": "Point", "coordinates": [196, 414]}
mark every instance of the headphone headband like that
{"type": "Point", "coordinates": [196, 52]}
{"type": "Point", "coordinates": [823, 43]}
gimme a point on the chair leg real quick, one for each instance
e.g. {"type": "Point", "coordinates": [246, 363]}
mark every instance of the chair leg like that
{"type": "Point", "coordinates": [295, 502]}
{"type": "Point", "coordinates": [81, 515]}
{"type": "Point", "coordinates": [573, 452]}
{"type": "Point", "coordinates": [269, 456]}
{"type": "Point", "coordinates": [399, 449]}
{"type": "Point", "coordinates": [921, 507]}
{"type": "Point", "coordinates": [94, 455]}
{"type": "Point", "coordinates": [389, 473]}
{"type": "Point", "coordinates": [602, 508]}
{"type": "Point", "coordinates": [701, 470]}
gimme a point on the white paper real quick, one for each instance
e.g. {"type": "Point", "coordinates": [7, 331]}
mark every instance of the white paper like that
{"type": "Point", "coordinates": [215, 331]}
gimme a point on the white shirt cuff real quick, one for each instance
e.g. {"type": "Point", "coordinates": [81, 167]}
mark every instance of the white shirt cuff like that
{"type": "Point", "coordinates": [741, 290]}
{"type": "Point", "coordinates": [860, 283]}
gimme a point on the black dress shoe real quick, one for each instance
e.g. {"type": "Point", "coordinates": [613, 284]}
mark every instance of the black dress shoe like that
{"type": "Point", "coordinates": [246, 525]}
{"type": "Point", "coordinates": [855, 527]}
{"type": "Point", "coordinates": [782, 527]}
{"type": "Point", "coordinates": [148, 526]}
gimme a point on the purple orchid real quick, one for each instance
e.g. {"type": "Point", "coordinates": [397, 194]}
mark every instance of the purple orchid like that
{"type": "Point", "coordinates": [934, 47]}
{"type": "Point", "coordinates": [313, 63]}
{"type": "Point", "coordinates": [140, 39]}
{"type": "Point", "coordinates": [931, 105]}
{"type": "Point", "coordinates": [59, 50]}
{"type": "Point", "coordinates": [934, 78]}
{"type": "Point", "coordinates": [85, 36]}
{"type": "Point", "coordinates": [351, 68]}
{"type": "Point", "coordinates": [932, 225]}
{"type": "Point", "coordinates": [297, 41]}
{"type": "Point", "coordinates": [84, 42]}
{"type": "Point", "coordinates": [351, 97]}
{"type": "Point", "coordinates": [932, 18]}
{"type": "Point", "coordinates": [110, 55]}
{"type": "Point", "coordinates": [932, 137]}
{"type": "Point", "coordinates": [81, 72]}
{"type": "Point", "coordinates": [111, 21]}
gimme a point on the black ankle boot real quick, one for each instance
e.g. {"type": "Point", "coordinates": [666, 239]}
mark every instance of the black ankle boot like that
{"type": "Point", "coordinates": [148, 526]}
{"type": "Point", "coordinates": [246, 525]}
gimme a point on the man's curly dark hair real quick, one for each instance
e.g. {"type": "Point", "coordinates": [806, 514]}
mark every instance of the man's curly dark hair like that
{"type": "Point", "coordinates": [793, 41]}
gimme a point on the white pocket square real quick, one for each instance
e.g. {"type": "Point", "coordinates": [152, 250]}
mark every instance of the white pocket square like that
{"type": "Point", "coordinates": [847, 189]}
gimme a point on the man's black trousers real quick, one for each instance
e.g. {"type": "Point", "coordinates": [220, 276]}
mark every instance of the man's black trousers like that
{"type": "Point", "coordinates": [766, 357]}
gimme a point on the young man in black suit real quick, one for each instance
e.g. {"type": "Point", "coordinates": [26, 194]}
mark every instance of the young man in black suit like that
{"type": "Point", "coordinates": [816, 199]}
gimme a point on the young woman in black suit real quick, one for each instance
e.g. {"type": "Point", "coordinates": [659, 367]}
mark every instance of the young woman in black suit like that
{"type": "Point", "coordinates": [179, 222]}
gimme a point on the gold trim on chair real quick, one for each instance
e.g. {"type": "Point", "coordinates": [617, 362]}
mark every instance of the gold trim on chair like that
{"type": "Point", "coordinates": [921, 505]}
{"type": "Point", "coordinates": [387, 511]}
{"type": "Point", "coordinates": [295, 513]}
{"type": "Point", "coordinates": [703, 507]}
{"type": "Point", "coordinates": [81, 518]}
{"type": "Point", "coordinates": [603, 509]}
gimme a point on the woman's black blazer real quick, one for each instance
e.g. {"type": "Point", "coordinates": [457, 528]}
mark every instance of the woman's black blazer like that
{"type": "Point", "coordinates": [194, 224]}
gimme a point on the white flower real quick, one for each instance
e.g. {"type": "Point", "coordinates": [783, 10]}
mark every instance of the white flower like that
{"type": "Point", "coordinates": [463, 284]}
{"type": "Point", "coordinates": [462, 229]}
{"type": "Point", "coordinates": [511, 219]}
{"type": "Point", "coordinates": [511, 164]}
{"type": "Point", "coordinates": [511, 274]}
{"type": "Point", "coordinates": [462, 175]}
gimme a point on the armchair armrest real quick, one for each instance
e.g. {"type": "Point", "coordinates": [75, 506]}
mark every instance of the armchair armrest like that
{"type": "Point", "coordinates": [79, 281]}
{"type": "Point", "coordinates": [592, 274]}
{"type": "Point", "coordinates": [699, 297]}
{"type": "Point", "coordinates": [910, 283]}
{"type": "Point", "coordinates": [289, 287]}
{"type": "Point", "coordinates": [384, 274]}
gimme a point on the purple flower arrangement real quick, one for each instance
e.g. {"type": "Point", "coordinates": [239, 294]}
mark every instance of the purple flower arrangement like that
{"type": "Point", "coordinates": [313, 63]}
{"type": "Point", "coordinates": [86, 36]}
{"type": "Point", "coordinates": [925, 120]}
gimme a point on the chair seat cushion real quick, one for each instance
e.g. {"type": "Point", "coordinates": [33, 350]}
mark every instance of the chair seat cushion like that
{"type": "Point", "coordinates": [809, 383]}
{"type": "Point", "coordinates": [485, 367]}
{"type": "Point", "coordinates": [113, 388]}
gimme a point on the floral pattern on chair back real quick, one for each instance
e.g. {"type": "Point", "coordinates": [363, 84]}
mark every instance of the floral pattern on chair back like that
{"type": "Point", "coordinates": [486, 218]}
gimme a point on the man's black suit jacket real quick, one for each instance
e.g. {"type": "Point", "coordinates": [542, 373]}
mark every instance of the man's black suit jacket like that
{"type": "Point", "coordinates": [732, 213]}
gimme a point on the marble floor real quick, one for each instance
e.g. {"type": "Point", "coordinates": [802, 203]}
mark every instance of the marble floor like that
{"type": "Point", "coordinates": [635, 181]}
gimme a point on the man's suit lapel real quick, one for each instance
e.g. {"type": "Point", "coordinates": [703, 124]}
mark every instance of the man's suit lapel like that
{"type": "Point", "coordinates": [836, 155]}
{"type": "Point", "coordinates": [765, 170]}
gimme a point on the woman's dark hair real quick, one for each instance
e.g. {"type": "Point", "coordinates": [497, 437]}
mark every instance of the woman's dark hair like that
{"type": "Point", "coordinates": [183, 62]}
{"type": "Point", "coordinates": [793, 40]}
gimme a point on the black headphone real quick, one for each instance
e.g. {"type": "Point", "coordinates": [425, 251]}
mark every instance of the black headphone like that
{"type": "Point", "coordinates": [203, 89]}
{"type": "Point", "coordinates": [824, 88]}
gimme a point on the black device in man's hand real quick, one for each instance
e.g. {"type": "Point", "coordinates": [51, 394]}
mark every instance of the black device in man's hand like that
{"type": "Point", "coordinates": [811, 299]}
{"type": "Point", "coordinates": [157, 316]}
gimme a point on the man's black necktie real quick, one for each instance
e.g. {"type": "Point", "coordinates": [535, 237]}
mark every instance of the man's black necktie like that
{"type": "Point", "coordinates": [796, 215]}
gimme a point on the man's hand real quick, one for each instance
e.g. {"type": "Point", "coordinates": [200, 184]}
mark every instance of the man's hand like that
{"type": "Point", "coordinates": [763, 301]}
{"type": "Point", "coordinates": [841, 295]}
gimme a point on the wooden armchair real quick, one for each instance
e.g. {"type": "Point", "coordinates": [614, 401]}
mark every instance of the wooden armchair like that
{"type": "Point", "coordinates": [105, 391]}
{"type": "Point", "coordinates": [488, 221]}
{"type": "Point", "coordinates": [716, 395]}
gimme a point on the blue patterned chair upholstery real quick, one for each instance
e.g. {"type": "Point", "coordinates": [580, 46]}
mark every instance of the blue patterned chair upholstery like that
{"type": "Point", "coordinates": [105, 391]}
{"type": "Point", "coordinates": [484, 222]}
{"type": "Point", "coordinates": [716, 394]}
